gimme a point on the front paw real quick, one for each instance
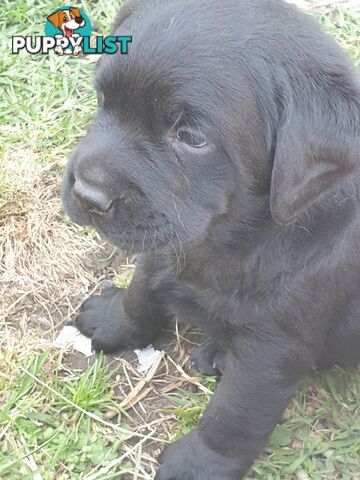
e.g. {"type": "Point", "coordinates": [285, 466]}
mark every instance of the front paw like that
{"type": "Point", "coordinates": [103, 319]}
{"type": "Point", "coordinates": [191, 459]}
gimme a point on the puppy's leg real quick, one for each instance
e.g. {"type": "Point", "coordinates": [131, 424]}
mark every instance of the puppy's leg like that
{"type": "Point", "coordinates": [208, 358]}
{"type": "Point", "coordinates": [118, 317]}
{"type": "Point", "coordinates": [259, 380]}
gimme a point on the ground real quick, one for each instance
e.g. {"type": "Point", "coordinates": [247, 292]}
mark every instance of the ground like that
{"type": "Point", "coordinates": [63, 416]}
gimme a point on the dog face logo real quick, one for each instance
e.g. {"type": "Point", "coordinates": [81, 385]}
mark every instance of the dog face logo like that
{"type": "Point", "coordinates": [68, 23]}
{"type": "Point", "coordinates": [67, 20]}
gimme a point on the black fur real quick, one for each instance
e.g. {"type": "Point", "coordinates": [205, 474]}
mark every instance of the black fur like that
{"type": "Point", "coordinates": [225, 151]}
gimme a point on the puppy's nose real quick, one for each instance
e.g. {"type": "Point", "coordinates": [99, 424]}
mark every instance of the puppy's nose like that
{"type": "Point", "coordinates": [79, 20]}
{"type": "Point", "coordinates": [92, 199]}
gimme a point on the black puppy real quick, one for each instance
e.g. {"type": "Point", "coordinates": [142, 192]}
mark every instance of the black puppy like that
{"type": "Point", "coordinates": [226, 150]}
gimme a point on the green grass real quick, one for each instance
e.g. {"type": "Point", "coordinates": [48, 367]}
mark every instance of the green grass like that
{"type": "Point", "coordinates": [344, 26]}
{"type": "Point", "coordinates": [320, 436]}
{"type": "Point", "coordinates": [38, 90]}
{"type": "Point", "coordinates": [53, 420]}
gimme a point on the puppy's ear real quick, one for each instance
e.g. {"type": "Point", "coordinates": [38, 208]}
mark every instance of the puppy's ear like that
{"type": "Point", "coordinates": [317, 146]}
{"type": "Point", "coordinates": [75, 11]}
{"type": "Point", "coordinates": [56, 18]}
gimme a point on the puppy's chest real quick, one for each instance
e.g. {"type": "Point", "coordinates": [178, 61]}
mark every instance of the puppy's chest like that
{"type": "Point", "coordinates": [189, 302]}
{"type": "Point", "coordinates": [203, 293]}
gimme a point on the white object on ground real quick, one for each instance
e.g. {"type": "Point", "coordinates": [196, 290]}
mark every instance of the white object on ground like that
{"type": "Point", "coordinates": [147, 357]}
{"type": "Point", "coordinates": [71, 337]}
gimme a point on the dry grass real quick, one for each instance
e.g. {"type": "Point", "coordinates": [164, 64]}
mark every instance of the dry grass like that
{"type": "Point", "coordinates": [45, 265]}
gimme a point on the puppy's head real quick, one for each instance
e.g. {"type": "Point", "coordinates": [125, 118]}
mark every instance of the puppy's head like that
{"type": "Point", "coordinates": [70, 19]}
{"type": "Point", "coordinates": [202, 128]}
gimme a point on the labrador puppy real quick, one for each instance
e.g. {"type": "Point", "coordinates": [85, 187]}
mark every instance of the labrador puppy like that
{"type": "Point", "coordinates": [225, 152]}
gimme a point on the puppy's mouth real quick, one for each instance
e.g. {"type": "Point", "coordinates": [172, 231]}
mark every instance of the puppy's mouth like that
{"type": "Point", "coordinates": [126, 218]}
{"type": "Point", "coordinates": [130, 224]}
{"type": "Point", "coordinates": [68, 31]}
{"type": "Point", "coordinates": [134, 234]}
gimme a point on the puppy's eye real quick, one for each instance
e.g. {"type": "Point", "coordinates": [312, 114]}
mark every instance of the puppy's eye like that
{"type": "Point", "coordinates": [191, 137]}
